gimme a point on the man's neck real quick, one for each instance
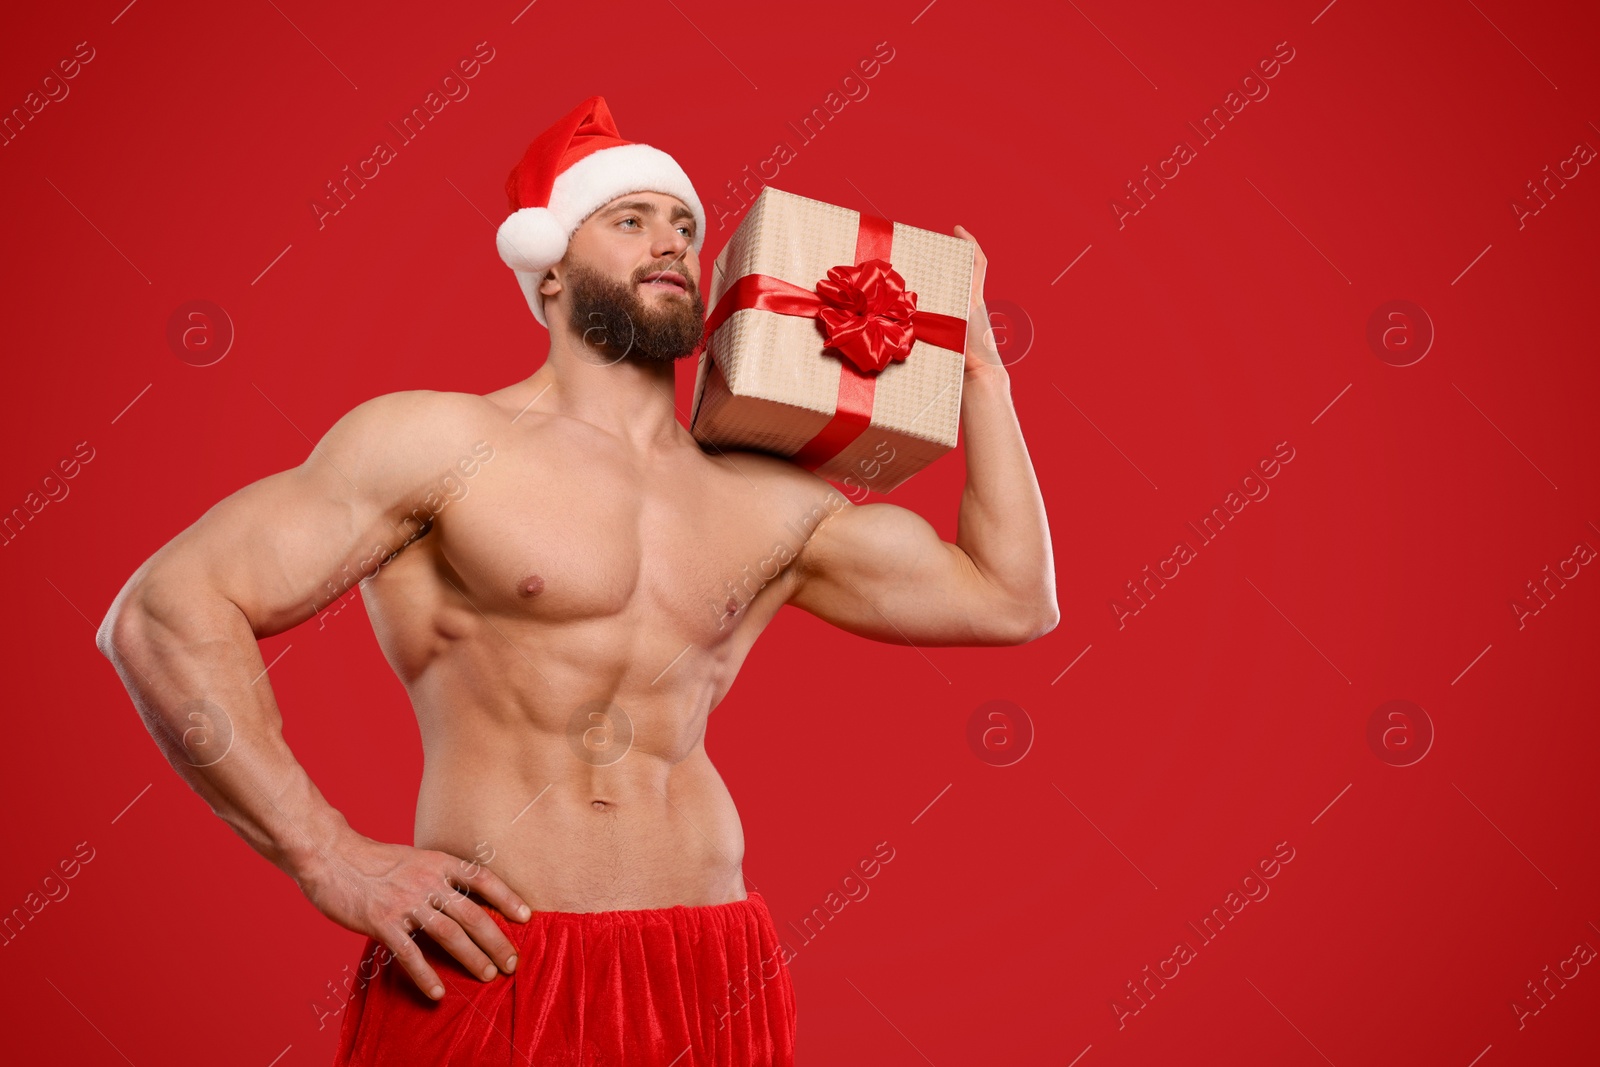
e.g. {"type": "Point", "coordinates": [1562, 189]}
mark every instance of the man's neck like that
{"type": "Point", "coordinates": [628, 398]}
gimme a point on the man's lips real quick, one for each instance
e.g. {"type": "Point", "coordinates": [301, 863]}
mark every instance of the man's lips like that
{"type": "Point", "coordinates": [668, 278]}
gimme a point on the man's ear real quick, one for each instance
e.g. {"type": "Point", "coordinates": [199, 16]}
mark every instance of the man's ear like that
{"type": "Point", "coordinates": [549, 285]}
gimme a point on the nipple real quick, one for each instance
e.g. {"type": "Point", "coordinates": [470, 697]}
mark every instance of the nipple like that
{"type": "Point", "coordinates": [532, 585]}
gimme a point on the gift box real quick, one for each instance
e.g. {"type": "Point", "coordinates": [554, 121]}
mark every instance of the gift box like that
{"type": "Point", "coordinates": [834, 338]}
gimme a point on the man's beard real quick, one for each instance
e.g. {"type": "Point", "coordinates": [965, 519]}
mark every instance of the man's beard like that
{"type": "Point", "coordinates": [614, 319]}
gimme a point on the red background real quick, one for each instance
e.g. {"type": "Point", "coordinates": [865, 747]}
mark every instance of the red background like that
{"type": "Point", "coordinates": [1226, 316]}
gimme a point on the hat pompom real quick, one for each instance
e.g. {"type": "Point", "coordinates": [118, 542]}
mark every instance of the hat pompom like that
{"type": "Point", "coordinates": [531, 239]}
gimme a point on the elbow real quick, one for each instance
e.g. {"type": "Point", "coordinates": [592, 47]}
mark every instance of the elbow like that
{"type": "Point", "coordinates": [122, 625]}
{"type": "Point", "coordinates": [1018, 620]}
{"type": "Point", "coordinates": [103, 637]}
{"type": "Point", "coordinates": [134, 616]}
{"type": "Point", "coordinates": [1040, 622]}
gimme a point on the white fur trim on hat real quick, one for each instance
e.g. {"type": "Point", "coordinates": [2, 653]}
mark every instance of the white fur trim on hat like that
{"type": "Point", "coordinates": [600, 177]}
{"type": "Point", "coordinates": [534, 239]}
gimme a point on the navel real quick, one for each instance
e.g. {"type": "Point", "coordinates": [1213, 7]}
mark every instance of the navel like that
{"type": "Point", "coordinates": [532, 585]}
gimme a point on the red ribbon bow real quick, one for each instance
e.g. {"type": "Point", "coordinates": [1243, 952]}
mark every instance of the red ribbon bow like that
{"type": "Point", "coordinates": [867, 313]}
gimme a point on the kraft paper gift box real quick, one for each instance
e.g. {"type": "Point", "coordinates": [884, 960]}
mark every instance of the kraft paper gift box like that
{"type": "Point", "coordinates": [835, 338]}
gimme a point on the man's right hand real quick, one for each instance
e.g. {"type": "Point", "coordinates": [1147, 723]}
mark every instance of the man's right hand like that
{"type": "Point", "coordinates": [388, 891]}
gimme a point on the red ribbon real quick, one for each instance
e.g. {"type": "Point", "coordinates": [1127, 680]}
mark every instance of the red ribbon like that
{"type": "Point", "coordinates": [867, 318]}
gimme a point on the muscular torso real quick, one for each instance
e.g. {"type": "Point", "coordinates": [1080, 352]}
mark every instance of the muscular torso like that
{"type": "Point", "coordinates": [565, 629]}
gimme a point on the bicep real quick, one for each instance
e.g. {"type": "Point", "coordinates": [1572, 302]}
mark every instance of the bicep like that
{"type": "Point", "coordinates": [881, 571]}
{"type": "Point", "coordinates": [281, 548]}
{"type": "Point", "coordinates": [284, 547]}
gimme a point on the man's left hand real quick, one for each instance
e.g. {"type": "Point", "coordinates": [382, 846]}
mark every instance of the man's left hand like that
{"type": "Point", "coordinates": [981, 350]}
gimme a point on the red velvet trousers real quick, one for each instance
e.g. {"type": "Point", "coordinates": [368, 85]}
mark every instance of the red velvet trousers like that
{"type": "Point", "coordinates": [680, 986]}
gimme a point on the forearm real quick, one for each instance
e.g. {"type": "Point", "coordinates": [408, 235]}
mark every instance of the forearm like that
{"type": "Point", "coordinates": [192, 666]}
{"type": "Point", "coordinates": [1002, 524]}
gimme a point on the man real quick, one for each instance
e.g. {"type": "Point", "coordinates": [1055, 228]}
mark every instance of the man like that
{"type": "Point", "coordinates": [537, 563]}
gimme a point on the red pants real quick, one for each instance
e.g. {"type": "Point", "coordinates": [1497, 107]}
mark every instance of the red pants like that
{"type": "Point", "coordinates": [680, 986]}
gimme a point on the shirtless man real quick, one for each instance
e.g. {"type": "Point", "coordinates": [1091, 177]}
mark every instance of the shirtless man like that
{"type": "Point", "coordinates": [538, 563]}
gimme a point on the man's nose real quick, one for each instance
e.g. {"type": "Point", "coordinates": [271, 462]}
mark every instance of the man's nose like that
{"type": "Point", "coordinates": [670, 243]}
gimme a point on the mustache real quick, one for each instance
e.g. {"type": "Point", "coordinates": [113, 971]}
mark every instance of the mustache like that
{"type": "Point", "coordinates": [688, 282]}
{"type": "Point", "coordinates": [670, 268]}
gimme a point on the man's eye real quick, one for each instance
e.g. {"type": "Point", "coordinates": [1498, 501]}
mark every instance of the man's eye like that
{"type": "Point", "coordinates": [688, 230]}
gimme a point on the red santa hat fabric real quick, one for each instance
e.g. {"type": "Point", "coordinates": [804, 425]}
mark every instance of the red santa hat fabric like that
{"type": "Point", "coordinates": [578, 165]}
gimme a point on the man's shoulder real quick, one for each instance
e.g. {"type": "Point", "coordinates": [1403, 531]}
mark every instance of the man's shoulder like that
{"type": "Point", "coordinates": [418, 420]}
{"type": "Point", "coordinates": [414, 407]}
{"type": "Point", "coordinates": [398, 437]}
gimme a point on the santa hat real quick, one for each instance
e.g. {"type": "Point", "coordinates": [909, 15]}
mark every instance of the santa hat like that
{"type": "Point", "coordinates": [576, 166]}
